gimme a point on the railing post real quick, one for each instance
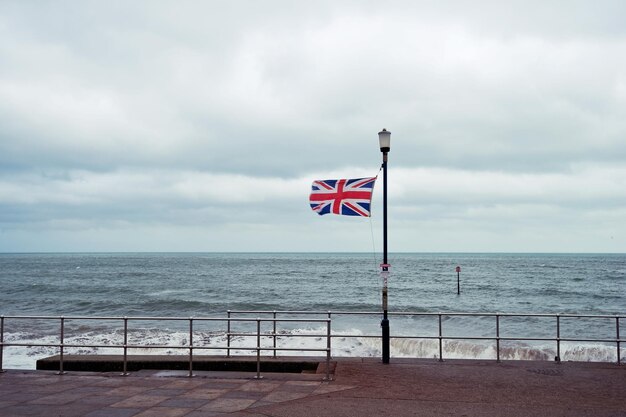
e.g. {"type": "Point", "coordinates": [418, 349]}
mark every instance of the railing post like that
{"type": "Point", "coordinates": [558, 339]}
{"type": "Point", "coordinates": [228, 335]}
{"type": "Point", "coordinates": [125, 369]}
{"type": "Point", "coordinates": [616, 337]}
{"type": "Point", "coordinates": [258, 348]}
{"type": "Point", "coordinates": [440, 341]}
{"type": "Point", "coordinates": [2, 343]}
{"type": "Point", "coordinates": [498, 338]}
{"type": "Point", "coordinates": [61, 346]}
{"type": "Point", "coordinates": [328, 347]}
{"type": "Point", "coordinates": [190, 347]}
{"type": "Point", "coordinates": [274, 334]}
{"type": "Point", "coordinates": [330, 337]}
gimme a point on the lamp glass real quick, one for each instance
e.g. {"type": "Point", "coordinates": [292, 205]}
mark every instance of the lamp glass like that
{"type": "Point", "coordinates": [384, 139]}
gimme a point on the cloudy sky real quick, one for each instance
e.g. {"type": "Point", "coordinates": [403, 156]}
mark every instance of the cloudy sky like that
{"type": "Point", "coordinates": [199, 125]}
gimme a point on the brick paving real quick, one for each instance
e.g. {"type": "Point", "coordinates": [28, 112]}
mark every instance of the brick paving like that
{"type": "Point", "coordinates": [361, 387]}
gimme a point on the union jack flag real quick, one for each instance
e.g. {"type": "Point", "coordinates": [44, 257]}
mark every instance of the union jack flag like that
{"type": "Point", "coordinates": [347, 197]}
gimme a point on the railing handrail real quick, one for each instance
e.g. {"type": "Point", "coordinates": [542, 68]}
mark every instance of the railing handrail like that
{"type": "Point", "coordinates": [423, 313]}
{"type": "Point", "coordinates": [331, 312]}
{"type": "Point", "coordinates": [156, 318]}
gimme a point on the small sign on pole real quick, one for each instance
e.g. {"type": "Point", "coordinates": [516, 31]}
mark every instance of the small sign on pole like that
{"type": "Point", "coordinates": [385, 269]}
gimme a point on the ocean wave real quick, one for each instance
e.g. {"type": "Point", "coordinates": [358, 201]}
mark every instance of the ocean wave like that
{"type": "Point", "coordinates": [459, 349]}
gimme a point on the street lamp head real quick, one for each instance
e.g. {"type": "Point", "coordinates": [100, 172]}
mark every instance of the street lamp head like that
{"type": "Point", "coordinates": [384, 139]}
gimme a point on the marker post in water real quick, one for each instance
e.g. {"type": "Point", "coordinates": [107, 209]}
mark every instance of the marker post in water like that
{"type": "Point", "coordinates": [458, 280]}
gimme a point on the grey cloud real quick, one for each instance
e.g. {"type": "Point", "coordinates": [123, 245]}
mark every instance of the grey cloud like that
{"type": "Point", "coordinates": [447, 90]}
{"type": "Point", "coordinates": [141, 97]}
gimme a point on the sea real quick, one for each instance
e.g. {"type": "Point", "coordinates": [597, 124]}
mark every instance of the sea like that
{"type": "Point", "coordinates": [421, 286]}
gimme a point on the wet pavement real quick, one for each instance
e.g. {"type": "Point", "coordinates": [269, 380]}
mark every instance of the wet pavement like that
{"type": "Point", "coordinates": [361, 387]}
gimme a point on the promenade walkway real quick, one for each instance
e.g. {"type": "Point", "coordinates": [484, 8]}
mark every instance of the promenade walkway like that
{"type": "Point", "coordinates": [361, 387]}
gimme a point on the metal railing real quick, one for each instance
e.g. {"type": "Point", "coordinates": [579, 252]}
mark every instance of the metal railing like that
{"type": "Point", "coordinates": [279, 317]}
{"type": "Point", "coordinates": [191, 347]}
{"type": "Point", "coordinates": [497, 338]}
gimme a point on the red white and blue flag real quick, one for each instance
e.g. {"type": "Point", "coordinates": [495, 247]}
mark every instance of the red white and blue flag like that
{"type": "Point", "coordinates": [347, 197]}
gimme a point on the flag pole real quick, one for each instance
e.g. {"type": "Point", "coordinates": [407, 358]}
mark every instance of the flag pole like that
{"type": "Point", "coordinates": [384, 138]}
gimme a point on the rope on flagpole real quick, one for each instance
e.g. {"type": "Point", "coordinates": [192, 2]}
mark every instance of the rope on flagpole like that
{"type": "Point", "coordinates": [374, 254]}
{"type": "Point", "coordinates": [375, 259]}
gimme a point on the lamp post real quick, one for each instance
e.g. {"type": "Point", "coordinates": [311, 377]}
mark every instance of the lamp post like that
{"type": "Point", "coordinates": [384, 139]}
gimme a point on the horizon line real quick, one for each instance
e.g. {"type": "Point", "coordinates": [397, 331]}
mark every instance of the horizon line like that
{"type": "Point", "coordinates": [312, 252]}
